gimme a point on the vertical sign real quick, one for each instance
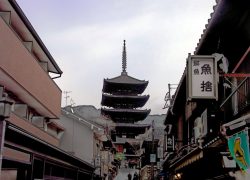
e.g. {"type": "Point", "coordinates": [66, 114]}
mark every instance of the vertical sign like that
{"type": "Point", "coordinates": [160, 152]}
{"type": "Point", "coordinates": [170, 143]}
{"type": "Point", "coordinates": [98, 161]}
{"type": "Point", "coordinates": [202, 77]}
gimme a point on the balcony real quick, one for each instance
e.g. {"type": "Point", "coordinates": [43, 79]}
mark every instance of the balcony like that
{"type": "Point", "coordinates": [33, 130]}
{"type": "Point", "coordinates": [21, 74]}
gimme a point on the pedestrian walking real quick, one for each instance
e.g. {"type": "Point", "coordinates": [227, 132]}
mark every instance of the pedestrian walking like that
{"type": "Point", "coordinates": [129, 176]}
{"type": "Point", "coordinates": [136, 177]}
{"type": "Point", "coordinates": [110, 176]}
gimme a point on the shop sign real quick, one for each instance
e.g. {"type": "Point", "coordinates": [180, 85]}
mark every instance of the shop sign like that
{"type": "Point", "coordinates": [202, 77]}
{"type": "Point", "coordinates": [170, 143]}
{"type": "Point", "coordinates": [239, 148]}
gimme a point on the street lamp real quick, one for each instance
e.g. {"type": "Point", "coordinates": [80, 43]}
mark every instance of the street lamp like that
{"type": "Point", "coordinates": [5, 110]}
{"type": "Point", "coordinates": [177, 176]}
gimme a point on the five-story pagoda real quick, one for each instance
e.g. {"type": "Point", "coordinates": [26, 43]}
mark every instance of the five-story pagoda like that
{"type": "Point", "coordinates": [122, 101]}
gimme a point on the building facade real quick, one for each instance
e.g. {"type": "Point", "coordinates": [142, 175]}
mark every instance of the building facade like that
{"type": "Point", "coordinates": [30, 135]}
{"type": "Point", "coordinates": [201, 132]}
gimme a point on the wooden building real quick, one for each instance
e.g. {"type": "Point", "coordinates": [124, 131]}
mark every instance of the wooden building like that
{"type": "Point", "coordinates": [202, 127]}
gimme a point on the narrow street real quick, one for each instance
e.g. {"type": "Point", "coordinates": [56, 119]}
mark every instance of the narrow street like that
{"type": "Point", "coordinates": [123, 173]}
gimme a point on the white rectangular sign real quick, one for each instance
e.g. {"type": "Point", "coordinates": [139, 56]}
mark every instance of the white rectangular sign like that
{"type": "Point", "coordinates": [152, 158]}
{"type": "Point", "coordinates": [202, 77]}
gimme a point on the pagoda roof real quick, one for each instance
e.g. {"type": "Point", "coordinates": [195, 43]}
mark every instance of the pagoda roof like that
{"type": "Point", "coordinates": [124, 78]}
{"type": "Point", "coordinates": [118, 100]}
{"type": "Point", "coordinates": [125, 115]}
{"type": "Point", "coordinates": [124, 82]}
{"type": "Point", "coordinates": [132, 125]}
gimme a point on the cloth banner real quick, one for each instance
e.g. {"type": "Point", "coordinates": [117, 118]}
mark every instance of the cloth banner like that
{"type": "Point", "coordinates": [239, 148]}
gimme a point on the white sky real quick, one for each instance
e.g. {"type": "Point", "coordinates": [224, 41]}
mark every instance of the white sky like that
{"type": "Point", "coordinates": [85, 37]}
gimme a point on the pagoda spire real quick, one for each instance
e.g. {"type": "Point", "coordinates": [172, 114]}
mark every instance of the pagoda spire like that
{"type": "Point", "coordinates": [124, 58]}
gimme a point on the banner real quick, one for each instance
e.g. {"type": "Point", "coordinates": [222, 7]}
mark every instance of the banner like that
{"type": "Point", "coordinates": [119, 156]}
{"type": "Point", "coordinates": [239, 148]}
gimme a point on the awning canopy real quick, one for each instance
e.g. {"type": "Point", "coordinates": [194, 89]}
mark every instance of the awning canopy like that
{"type": "Point", "coordinates": [25, 141]}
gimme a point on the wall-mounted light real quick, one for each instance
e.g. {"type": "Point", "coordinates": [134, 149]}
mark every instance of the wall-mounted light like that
{"type": "Point", "coordinates": [5, 107]}
{"type": "Point", "coordinates": [177, 176]}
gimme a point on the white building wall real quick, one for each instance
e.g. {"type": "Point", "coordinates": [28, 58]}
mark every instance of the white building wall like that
{"type": "Point", "coordinates": [78, 138]}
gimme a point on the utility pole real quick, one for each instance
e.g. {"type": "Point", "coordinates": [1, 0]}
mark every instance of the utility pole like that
{"type": "Point", "coordinates": [152, 163]}
{"type": "Point", "coordinates": [66, 97]}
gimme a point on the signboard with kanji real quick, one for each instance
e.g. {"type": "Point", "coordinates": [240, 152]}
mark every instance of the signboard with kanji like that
{"type": "Point", "coordinates": [170, 143]}
{"type": "Point", "coordinates": [202, 77]}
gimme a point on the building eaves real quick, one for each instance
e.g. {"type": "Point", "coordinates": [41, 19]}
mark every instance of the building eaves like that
{"type": "Point", "coordinates": [211, 22]}
{"type": "Point", "coordinates": [75, 116]}
{"type": "Point", "coordinates": [216, 17]}
{"type": "Point", "coordinates": [170, 109]}
{"type": "Point", "coordinates": [34, 34]}
{"type": "Point", "coordinates": [36, 144]}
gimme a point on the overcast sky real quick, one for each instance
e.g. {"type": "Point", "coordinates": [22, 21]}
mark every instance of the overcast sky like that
{"type": "Point", "coordinates": [85, 37]}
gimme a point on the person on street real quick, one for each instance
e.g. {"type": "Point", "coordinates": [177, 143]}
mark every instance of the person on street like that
{"type": "Point", "coordinates": [136, 177]}
{"type": "Point", "coordinates": [110, 176]}
{"type": "Point", "coordinates": [129, 176]}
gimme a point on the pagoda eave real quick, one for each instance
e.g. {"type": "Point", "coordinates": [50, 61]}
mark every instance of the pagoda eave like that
{"type": "Point", "coordinates": [125, 115]}
{"type": "Point", "coordinates": [126, 84]}
{"type": "Point", "coordinates": [136, 129]}
{"type": "Point", "coordinates": [118, 100]}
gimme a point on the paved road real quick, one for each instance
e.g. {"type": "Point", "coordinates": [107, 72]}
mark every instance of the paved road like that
{"type": "Point", "coordinates": [123, 173]}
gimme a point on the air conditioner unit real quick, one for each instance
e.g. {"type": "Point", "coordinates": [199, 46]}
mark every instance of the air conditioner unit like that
{"type": "Point", "coordinates": [21, 110]}
{"type": "Point", "coordinates": [38, 121]}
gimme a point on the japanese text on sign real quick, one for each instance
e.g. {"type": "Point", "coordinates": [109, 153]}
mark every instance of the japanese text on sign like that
{"type": "Point", "coordinates": [202, 77]}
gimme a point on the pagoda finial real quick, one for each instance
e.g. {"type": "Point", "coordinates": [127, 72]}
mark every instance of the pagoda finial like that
{"type": "Point", "coordinates": [124, 58]}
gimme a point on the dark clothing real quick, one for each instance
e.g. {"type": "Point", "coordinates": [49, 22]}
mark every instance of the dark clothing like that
{"type": "Point", "coordinates": [129, 176]}
{"type": "Point", "coordinates": [110, 177]}
{"type": "Point", "coordinates": [135, 177]}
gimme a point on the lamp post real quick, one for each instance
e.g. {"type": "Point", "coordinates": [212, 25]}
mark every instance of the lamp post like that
{"type": "Point", "coordinates": [5, 110]}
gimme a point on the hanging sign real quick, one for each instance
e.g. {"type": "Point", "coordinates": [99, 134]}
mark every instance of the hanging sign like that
{"type": "Point", "coordinates": [239, 148]}
{"type": "Point", "coordinates": [170, 143]}
{"type": "Point", "coordinates": [202, 77]}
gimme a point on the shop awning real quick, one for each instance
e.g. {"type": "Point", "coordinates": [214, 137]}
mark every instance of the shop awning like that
{"type": "Point", "coordinates": [188, 159]}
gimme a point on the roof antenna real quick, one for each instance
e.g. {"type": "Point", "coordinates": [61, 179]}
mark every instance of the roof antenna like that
{"type": "Point", "coordinates": [124, 59]}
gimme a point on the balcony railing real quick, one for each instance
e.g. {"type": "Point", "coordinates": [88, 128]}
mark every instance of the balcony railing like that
{"type": "Point", "coordinates": [243, 96]}
{"type": "Point", "coordinates": [238, 100]}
